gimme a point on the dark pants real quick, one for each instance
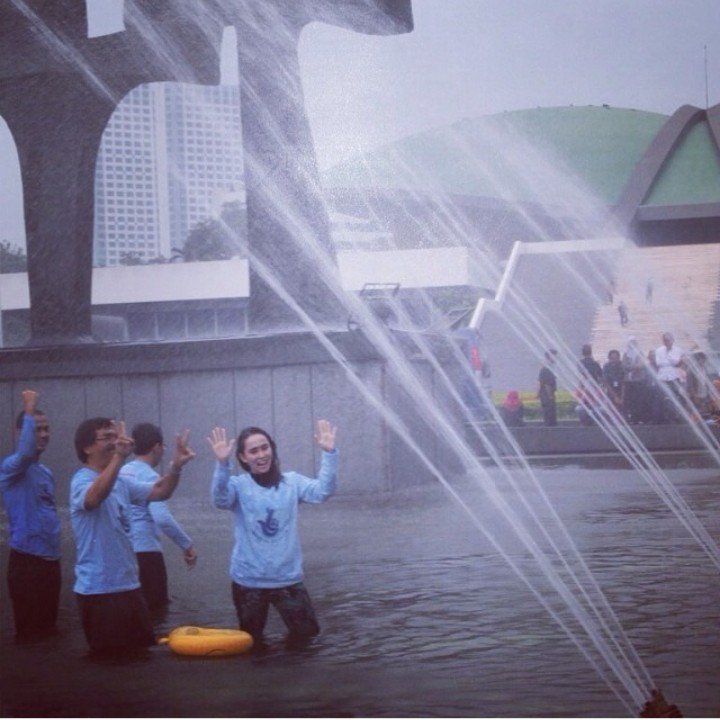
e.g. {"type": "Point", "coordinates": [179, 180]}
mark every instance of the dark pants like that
{"type": "Point", "coordinates": [116, 621]}
{"type": "Point", "coordinates": [637, 403]}
{"type": "Point", "coordinates": [153, 579]}
{"type": "Point", "coordinates": [292, 602]}
{"type": "Point", "coordinates": [34, 587]}
{"type": "Point", "coordinates": [664, 410]}
{"type": "Point", "coordinates": [549, 410]}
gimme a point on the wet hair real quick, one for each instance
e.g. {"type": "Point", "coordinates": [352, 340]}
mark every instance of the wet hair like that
{"type": "Point", "coordinates": [21, 417]}
{"type": "Point", "coordinates": [146, 437]}
{"type": "Point", "coordinates": [273, 475]}
{"type": "Point", "coordinates": [85, 434]}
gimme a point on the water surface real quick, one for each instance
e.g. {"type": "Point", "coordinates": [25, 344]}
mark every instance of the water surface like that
{"type": "Point", "coordinates": [419, 615]}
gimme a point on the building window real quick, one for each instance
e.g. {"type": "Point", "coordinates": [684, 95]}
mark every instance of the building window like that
{"type": "Point", "coordinates": [201, 323]}
{"type": "Point", "coordinates": [171, 325]}
{"type": "Point", "coordinates": [231, 322]}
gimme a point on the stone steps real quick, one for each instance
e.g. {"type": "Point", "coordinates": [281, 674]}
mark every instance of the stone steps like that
{"type": "Point", "coordinates": [686, 285]}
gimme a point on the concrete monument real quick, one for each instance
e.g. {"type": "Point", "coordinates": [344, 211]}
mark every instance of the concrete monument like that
{"type": "Point", "coordinates": [58, 89]}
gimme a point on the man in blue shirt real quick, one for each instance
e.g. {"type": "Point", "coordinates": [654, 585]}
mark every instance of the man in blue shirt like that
{"type": "Point", "coordinates": [266, 564]}
{"type": "Point", "coordinates": [113, 611]}
{"type": "Point", "coordinates": [28, 490]}
{"type": "Point", "coordinates": [146, 521]}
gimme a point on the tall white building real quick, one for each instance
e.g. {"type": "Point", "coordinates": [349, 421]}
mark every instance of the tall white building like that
{"type": "Point", "coordinates": [169, 156]}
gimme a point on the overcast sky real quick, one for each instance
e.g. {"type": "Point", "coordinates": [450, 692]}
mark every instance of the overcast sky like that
{"type": "Point", "coordinates": [468, 58]}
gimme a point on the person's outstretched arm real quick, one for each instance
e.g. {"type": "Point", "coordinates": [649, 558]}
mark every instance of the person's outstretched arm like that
{"type": "Point", "coordinates": [102, 485]}
{"type": "Point", "coordinates": [171, 527]}
{"type": "Point", "coordinates": [222, 493]}
{"type": "Point", "coordinates": [13, 467]}
{"type": "Point", "coordinates": [319, 489]}
{"type": "Point", "coordinates": [166, 485]}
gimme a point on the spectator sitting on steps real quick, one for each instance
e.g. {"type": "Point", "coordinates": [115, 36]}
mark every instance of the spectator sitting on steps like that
{"type": "Point", "coordinates": [589, 399]}
{"type": "Point", "coordinates": [512, 410]}
{"type": "Point", "coordinates": [699, 385]}
{"type": "Point", "coordinates": [636, 389]}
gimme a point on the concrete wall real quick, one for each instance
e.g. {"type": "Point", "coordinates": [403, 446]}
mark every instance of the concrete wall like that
{"type": "Point", "coordinates": [565, 291]}
{"type": "Point", "coordinates": [281, 383]}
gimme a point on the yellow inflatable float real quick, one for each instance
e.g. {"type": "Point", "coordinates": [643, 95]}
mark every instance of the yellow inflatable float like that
{"type": "Point", "coordinates": [198, 641]}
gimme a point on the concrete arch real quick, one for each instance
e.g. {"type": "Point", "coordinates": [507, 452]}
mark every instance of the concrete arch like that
{"type": "Point", "coordinates": [11, 200]}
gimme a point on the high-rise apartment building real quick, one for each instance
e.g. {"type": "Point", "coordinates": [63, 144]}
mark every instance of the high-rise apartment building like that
{"type": "Point", "coordinates": [169, 157]}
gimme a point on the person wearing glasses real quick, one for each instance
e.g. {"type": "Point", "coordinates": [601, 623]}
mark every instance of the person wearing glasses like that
{"type": "Point", "coordinates": [114, 614]}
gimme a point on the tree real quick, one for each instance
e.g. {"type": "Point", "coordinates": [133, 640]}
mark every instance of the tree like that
{"type": "Point", "coordinates": [449, 299]}
{"type": "Point", "coordinates": [209, 240]}
{"type": "Point", "coordinates": [131, 258]}
{"type": "Point", "coordinates": [234, 216]}
{"type": "Point", "coordinates": [12, 259]}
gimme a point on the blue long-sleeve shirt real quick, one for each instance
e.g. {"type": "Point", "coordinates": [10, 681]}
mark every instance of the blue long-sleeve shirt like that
{"type": "Point", "coordinates": [146, 521]}
{"type": "Point", "coordinates": [28, 490]}
{"type": "Point", "coordinates": [267, 547]}
{"type": "Point", "coordinates": [105, 560]}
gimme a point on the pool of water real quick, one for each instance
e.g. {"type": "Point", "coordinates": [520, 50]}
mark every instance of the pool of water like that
{"type": "Point", "coordinates": [420, 616]}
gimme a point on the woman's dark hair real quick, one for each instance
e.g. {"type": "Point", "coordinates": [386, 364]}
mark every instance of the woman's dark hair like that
{"type": "Point", "coordinates": [273, 475]}
{"type": "Point", "coordinates": [146, 436]}
{"type": "Point", "coordinates": [85, 434]}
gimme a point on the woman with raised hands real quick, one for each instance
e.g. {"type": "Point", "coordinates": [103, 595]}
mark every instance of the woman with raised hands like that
{"type": "Point", "coordinates": [266, 563]}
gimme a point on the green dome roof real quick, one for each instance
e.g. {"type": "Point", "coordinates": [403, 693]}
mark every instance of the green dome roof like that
{"type": "Point", "coordinates": [598, 145]}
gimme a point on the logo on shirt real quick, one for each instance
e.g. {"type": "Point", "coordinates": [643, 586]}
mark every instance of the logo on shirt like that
{"type": "Point", "coordinates": [270, 524]}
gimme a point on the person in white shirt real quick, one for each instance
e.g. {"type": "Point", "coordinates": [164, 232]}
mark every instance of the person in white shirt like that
{"type": "Point", "coordinates": [668, 359]}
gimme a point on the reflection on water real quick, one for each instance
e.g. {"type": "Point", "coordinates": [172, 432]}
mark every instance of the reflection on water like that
{"type": "Point", "coordinates": [419, 617]}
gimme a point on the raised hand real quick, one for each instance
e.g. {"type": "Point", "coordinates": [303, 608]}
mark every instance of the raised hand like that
{"type": "Point", "coordinates": [220, 445]}
{"type": "Point", "coordinates": [325, 436]}
{"type": "Point", "coordinates": [29, 398]}
{"type": "Point", "coordinates": [183, 452]}
{"type": "Point", "coordinates": [124, 444]}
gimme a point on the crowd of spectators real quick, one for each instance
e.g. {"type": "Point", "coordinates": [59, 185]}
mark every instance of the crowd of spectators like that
{"type": "Point", "coordinates": [661, 386]}
{"type": "Point", "coordinates": [648, 388]}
